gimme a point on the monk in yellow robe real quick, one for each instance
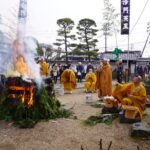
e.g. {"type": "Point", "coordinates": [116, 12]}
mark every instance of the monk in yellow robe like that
{"type": "Point", "coordinates": [133, 94]}
{"type": "Point", "coordinates": [43, 67]}
{"type": "Point", "coordinates": [22, 67]}
{"type": "Point", "coordinates": [104, 79]}
{"type": "Point", "coordinates": [68, 79]}
{"type": "Point", "coordinates": [90, 81]}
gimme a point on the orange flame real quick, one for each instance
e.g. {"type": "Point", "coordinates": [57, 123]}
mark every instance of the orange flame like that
{"type": "Point", "coordinates": [24, 97]}
{"type": "Point", "coordinates": [21, 66]}
{"type": "Point", "coordinates": [30, 102]}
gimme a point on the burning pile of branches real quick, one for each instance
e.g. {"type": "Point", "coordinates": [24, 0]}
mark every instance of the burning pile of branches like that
{"type": "Point", "coordinates": [20, 90]}
{"type": "Point", "coordinates": [25, 104]}
{"type": "Point", "coordinates": [25, 98]}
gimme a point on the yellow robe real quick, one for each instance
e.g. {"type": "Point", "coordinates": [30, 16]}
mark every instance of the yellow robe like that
{"type": "Point", "coordinates": [44, 69]}
{"type": "Point", "coordinates": [138, 99]}
{"type": "Point", "coordinates": [90, 81]}
{"type": "Point", "coordinates": [68, 79]}
{"type": "Point", "coordinates": [104, 81]}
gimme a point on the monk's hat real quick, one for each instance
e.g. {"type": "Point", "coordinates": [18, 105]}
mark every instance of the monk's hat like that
{"type": "Point", "coordinates": [139, 77]}
{"type": "Point", "coordinates": [105, 59]}
{"type": "Point", "coordinates": [41, 58]}
{"type": "Point", "coordinates": [67, 66]}
{"type": "Point", "coordinates": [120, 59]}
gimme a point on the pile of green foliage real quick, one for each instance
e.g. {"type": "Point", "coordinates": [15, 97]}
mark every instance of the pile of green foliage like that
{"type": "Point", "coordinates": [93, 120]}
{"type": "Point", "coordinates": [44, 107]}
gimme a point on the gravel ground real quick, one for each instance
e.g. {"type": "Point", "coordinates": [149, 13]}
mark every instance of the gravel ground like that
{"type": "Point", "coordinates": [70, 134]}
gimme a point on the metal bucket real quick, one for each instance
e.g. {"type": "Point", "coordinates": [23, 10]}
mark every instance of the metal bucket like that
{"type": "Point", "coordinates": [88, 98]}
{"type": "Point", "coordinates": [61, 91]}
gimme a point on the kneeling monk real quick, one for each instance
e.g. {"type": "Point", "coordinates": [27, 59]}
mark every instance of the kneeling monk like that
{"type": "Point", "coordinates": [90, 81]}
{"type": "Point", "coordinates": [68, 79]}
{"type": "Point", "coordinates": [133, 94]}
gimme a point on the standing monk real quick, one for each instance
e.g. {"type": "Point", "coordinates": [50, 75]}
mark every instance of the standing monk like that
{"type": "Point", "coordinates": [68, 79]}
{"type": "Point", "coordinates": [43, 67]}
{"type": "Point", "coordinates": [104, 79]}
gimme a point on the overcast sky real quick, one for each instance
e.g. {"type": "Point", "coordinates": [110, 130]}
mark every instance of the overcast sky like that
{"type": "Point", "coordinates": [43, 14]}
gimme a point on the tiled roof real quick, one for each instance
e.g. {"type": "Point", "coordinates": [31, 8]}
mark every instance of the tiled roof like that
{"type": "Point", "coordinates": [143, 60]}
{"type": "Point", "coordinates": [133, 55]}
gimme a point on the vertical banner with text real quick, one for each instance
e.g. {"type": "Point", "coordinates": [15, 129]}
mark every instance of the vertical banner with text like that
{"type": "Point", "coordinates": [22, 14]}
{"type": "Point", "coordinates": [22, 17]}
{"type": "Point", "coordinates": [125, 16]}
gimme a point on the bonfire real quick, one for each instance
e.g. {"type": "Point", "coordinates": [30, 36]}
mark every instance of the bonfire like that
{"type": "Point", "coordinates": [26, 97]}
{"type": "Point", "coordinates": [25, 100]}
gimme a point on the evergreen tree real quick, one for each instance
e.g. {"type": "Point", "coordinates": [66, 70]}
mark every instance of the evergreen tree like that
{"type": "Point", "coordinates": [39, 49]}
{"type": "Point", "coordinates": [86, 35]}
{"type": "Point", "coordinates": [65, 27]}
{"type": "Point", "coordinates": [49, 52]}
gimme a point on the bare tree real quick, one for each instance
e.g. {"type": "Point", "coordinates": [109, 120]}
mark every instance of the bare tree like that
{"type": "Point", "coordinates": [109, 23]}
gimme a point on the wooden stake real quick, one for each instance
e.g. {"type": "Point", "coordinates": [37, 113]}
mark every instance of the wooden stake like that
{"type": "Point", "coordinates": [100, 144]}
{"type": "Point", "coordinates": [138, 148]}
{"type": "Point", "coordinates": [82, 148]}
{"type": "Point", "coordinates": [109, 145]}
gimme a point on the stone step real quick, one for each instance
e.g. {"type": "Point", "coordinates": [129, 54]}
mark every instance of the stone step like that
{"type": "Point", "coordinates": [140, 129]}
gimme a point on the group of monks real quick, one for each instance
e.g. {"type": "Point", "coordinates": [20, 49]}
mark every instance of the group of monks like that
{"type": "Point", "coordinates": [100, 81]}
{"type": "Point", "coordinates": [132, 93]}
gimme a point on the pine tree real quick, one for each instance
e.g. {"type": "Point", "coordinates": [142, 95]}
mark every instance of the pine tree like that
{"type": "Point", "coordinates": [39, 49]}
{"type": "Point", "coordinates": [86, 35]}
{"type": "Point", "coordinates": [65, 27]}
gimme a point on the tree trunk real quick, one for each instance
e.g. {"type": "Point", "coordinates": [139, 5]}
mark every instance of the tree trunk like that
{"type": "Point", "coordinates": [106, 42]}
{"type": "Point", "coordinates": [87, 43]}
{"type": "Point", "coordinates": [106, 31]}
{"type": "Point", "coordinates": [66, 48]}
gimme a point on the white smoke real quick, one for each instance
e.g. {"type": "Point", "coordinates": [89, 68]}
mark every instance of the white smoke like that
{"type": "Point", "coordinates": [30, 53]}
{"type": "Point", "coordinates": [25, 48]}
{"type": "Point", "coordinates": [21, 46]}
{"type": "Point", "coordinates": [5, 53]}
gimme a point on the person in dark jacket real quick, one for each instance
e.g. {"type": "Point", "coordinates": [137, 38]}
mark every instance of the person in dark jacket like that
{"type": "Point", "coordinates": [89, 66]}
{"type": "Point", "coordinates": [80, 71]}
{"type": "Point", "coordinates": [140, 71]}
{"type": "Point", "coordinates": [119, 71]}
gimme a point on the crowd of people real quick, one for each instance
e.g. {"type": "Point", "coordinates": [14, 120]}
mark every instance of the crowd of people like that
{"type": "Point", "coordinates": [123, 74]}
{"type": "Point", "coordinates": [55, 70]}
{"type": "Point", "coordinates": [143, 71]}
